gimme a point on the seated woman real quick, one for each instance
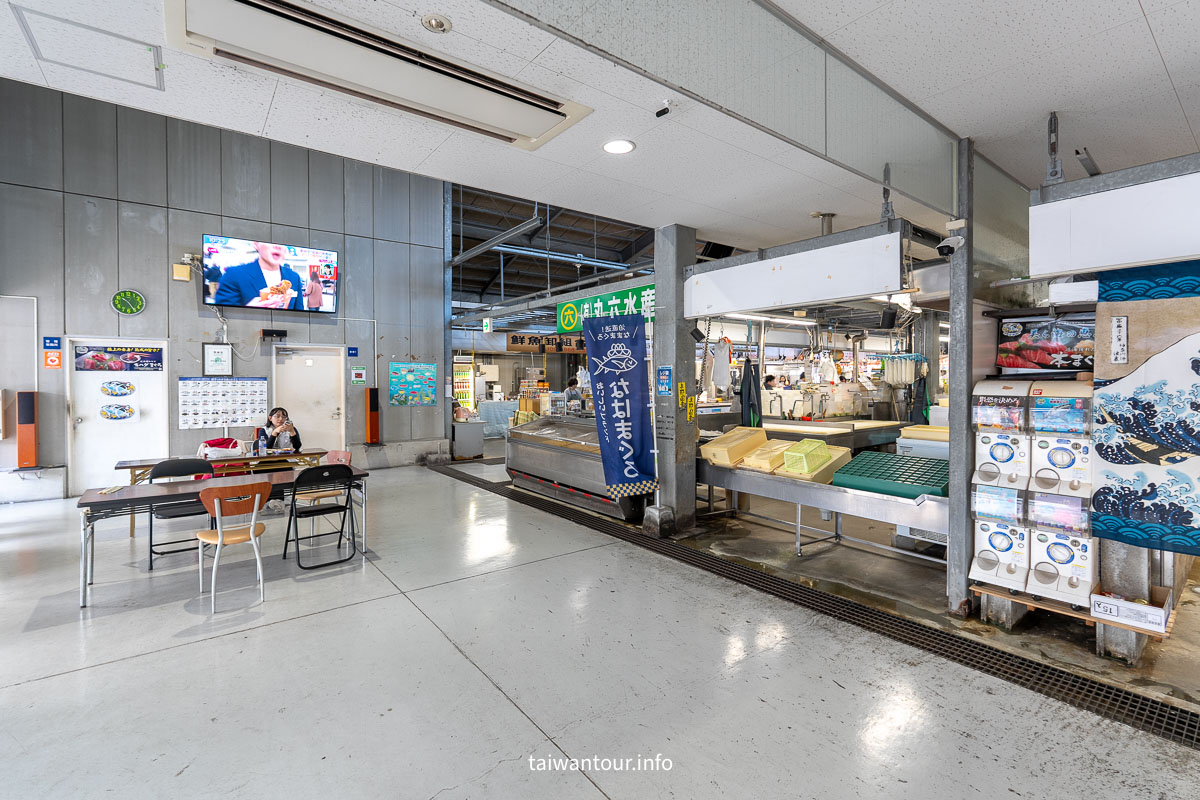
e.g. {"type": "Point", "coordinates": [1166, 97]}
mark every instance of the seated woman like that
{"type": "Point", "coordinates": [281, 433]}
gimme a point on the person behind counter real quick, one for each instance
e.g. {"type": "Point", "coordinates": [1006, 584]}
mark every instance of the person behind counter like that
{"type": "Point", "coordinates": [769, 382]}
{"type": "Point", "coordinates": [281, 433]}
{"type": "Point", "coordinates": [573, 391]}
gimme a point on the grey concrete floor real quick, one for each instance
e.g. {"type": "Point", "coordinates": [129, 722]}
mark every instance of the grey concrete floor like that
{"type": "Point", "coordinates": [480, 634]}
{"type": "Point", "coordinates": [917, 590]}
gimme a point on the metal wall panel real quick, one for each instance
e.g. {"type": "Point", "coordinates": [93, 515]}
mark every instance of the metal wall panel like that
{"type": "Point", "coordinates": [31, 228]}
{"type": "Point", "coordinates": [359, 198]}
{"type": "Point", "coordinates": [427, 330]}
{"type": "Point", "coordinates": [392, 313]}
{"type": "Point", "coordinates": [358, 303]}
{"type": "Point", "coordinates": [32, 133]}
{"type": "Point", "coordinates": [245, 176]}
{"type": "Point", "coordinates": [245, 229]}
{"type": "Point", "coordinates": [90, 235]}
{"type": "Point", "coordinates": [142, 264]}
{"type": "Point", "coordinates": [391, 205]}
{"type": "Point", "coordinates": [326, 198]}
{"type": "Point", "coordinates": [289, 185]}
{"type": "Point", "coordinates": [141, 157]}
{"type": "Point", "coordinates": [89, 146]}
{"type": "Point", "coordinates": [425, 211]}
{"type": "Point", "coordinates": [327, 328]}
{"type": "Point", "coordinates": [189, 321]}
{"type": "Point", "coordinates": [193, 167]}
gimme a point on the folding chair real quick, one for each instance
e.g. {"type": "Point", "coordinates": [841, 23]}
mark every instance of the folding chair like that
{"type": "Point", "coordinates": [222, 503]}
{"type": "Point", "coordinates": [322, 477]}
{"type": "Point", "coordinates": [176, 468]}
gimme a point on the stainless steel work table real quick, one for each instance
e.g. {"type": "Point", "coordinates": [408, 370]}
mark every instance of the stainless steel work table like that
{"type": "Point", "coordinates": [925, 512]}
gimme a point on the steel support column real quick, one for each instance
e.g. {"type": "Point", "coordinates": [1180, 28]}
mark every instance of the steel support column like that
{"type": "Point", "coordinates": [675, 436]}
{"type": "Point", "coordinates": [962, 442]}
{"type": "Point", "coordinates": [448, 299]}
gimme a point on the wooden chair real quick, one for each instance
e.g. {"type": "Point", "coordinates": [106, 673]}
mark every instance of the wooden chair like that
{"type": "Point", "coordinates": [231, 501]}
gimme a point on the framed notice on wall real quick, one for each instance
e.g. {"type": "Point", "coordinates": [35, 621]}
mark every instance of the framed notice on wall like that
{"type": "Point", "coordinates": [222, 402]}
{"type": "Point", "coordinates": [218, 359]}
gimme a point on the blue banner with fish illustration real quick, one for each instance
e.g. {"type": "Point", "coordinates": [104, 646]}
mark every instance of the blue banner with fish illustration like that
{"type": "Point", "coordinates": [412, 384]}
{"type": "Point", "coordinates": [1146, 406]}
{"type": "Point", "coordinates": [616, 354]}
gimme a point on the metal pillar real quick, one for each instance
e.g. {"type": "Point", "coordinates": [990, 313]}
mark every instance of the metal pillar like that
{"type": "Point", "coordinates": [675, 437]}
{"type": "Point", "coordinates": [962, 442]}
{"type": "Point", "coordinates": [447, 305]}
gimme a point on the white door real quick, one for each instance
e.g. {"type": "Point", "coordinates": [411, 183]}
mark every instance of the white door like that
{"type": "Point", "coordinates": [309, 381]}
{"type": "Point", "coordinates": [117, 407]}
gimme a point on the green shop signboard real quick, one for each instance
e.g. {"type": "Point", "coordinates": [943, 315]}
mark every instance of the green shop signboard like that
{"type": "Point", "coordinates": [639, 300]}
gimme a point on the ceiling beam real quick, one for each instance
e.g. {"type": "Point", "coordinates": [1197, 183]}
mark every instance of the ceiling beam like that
{"type": "Point", "coordinates": [638, 246]}
{"type": "Point", "coordinates": [473, 230]}
{"type": "Point", "coordinates": [497, 240]}
{"type": "Point", "coordinates": [553, 215]}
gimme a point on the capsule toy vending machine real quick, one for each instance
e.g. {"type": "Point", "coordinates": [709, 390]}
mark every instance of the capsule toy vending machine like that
{"type": "Point", "coordinates": [1063, 555]}
{"type": "Point", "coordinates": [1000, 414]}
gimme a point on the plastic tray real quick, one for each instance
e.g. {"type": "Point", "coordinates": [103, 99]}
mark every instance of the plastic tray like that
{"type": "Point", "coordinates": [900, 476]}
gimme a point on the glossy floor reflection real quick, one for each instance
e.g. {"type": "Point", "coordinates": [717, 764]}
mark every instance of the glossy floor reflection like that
{"type": "Point", "coordinates": [479, 634]}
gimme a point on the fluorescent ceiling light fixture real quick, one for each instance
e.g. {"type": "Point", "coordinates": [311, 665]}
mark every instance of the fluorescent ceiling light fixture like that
{"type": "Point", "coordinates": [945, 325]}
{"type": "Point", "coordinates": [776, 320]}
{"type": "Point", "coordinates": [619, 147]}
{"type": "Point", "coordinates": [944, 338]}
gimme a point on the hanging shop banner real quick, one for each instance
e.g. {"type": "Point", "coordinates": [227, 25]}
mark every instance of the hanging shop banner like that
{"type": "Point", "coordinates": [616, 353]}
{"type": "Point", "coordinates": [1146, 407]}
{"type": "Point", "coordinates": [1046, 344]}
{"type": "Point", "coordinates": [639, 300]}
{"type": "Point", "coordinates": [118, 359]}
{"type": "Point", "coordinates": [412, 384]}
{"type": "Point", "coordinates": [532, 343]}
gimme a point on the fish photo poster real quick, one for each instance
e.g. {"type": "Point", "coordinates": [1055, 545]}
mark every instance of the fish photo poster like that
{"type": "Point", "coordinates": [412, 384]}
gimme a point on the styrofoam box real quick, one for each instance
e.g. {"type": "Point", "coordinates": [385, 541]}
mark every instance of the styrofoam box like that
{"type": "Point", "coordinates": [1152, 617]}
{"type": "Point", "coordinates": [939, 415]}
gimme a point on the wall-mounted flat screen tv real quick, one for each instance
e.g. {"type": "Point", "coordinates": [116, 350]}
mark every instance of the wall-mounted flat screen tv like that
{"type": "Point", "coordinates": [246, 274]}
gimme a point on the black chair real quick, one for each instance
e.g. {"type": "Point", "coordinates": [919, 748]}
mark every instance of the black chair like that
{"type": "Point", "coordinates": [177, 468]}
{"type": "Point", "coordinates": [339, 476]}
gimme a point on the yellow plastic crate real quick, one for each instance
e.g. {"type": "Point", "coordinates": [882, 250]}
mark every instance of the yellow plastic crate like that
{"type": "Point", "coordinates": [730, 448]}
{"type": "Point", "coordinates": [806, 455]}
{"type": "Point", "coordinates": [769, 457]}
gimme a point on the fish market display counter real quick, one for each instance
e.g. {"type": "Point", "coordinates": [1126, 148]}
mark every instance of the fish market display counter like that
{"type": "Point", "coordinates": [559, 457]}
{"type": "Point", "coordinates": [927, 513]}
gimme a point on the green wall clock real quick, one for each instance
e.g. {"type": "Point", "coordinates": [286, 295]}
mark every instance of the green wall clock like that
{"type": "Point", "coordinates": [128, 302]}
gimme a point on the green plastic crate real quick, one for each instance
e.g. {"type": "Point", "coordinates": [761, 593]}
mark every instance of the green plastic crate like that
{"type": "Point", "coordinates": [807, 455]}
{"type": "Point", "coordinates": [900, 476]}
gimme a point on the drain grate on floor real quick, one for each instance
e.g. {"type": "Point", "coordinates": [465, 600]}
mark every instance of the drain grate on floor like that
{"type": "Point", "coordinates": [1111, 702]}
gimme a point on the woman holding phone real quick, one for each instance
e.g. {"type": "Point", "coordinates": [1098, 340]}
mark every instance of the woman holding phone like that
{"type": "Point", "coordinates": [281, 433]}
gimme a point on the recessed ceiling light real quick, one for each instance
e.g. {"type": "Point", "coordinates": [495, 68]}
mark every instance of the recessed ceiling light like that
{"type": "Point", "coordinates": [619, 147]}
{"type": "Point", "coordinates": [436, 23]}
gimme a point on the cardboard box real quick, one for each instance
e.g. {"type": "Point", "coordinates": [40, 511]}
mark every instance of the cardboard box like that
{"type": "Point", "coordinates": [1152, 617]}
{"type": "Point", "coordinates": [730, 448]}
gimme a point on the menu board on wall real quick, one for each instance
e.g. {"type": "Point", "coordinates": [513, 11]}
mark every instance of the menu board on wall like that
{"type": "Point", "coordinates": [222, 402]}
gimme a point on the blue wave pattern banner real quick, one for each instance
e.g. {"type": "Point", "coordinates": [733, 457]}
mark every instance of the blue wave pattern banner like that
{"type": "Point", "coordinates": [1146, 428]}
{"type": "Point", "coordinates": [616, 354]}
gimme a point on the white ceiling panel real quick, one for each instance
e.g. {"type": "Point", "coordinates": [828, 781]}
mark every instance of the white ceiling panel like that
{"type": "Point", "coordinates": [721, 126]}
{"type": "Point", "coordinates": [70, 44]}
{"type": "Point", "coordinates": [825, 18]}
{"type": "Point", "coordinates": [1117, 66]}
{"type": "Point", "coordinates": [921, 50]}
{"type": "Point", "coordinates": [600, 73]}
{"type": "Point", "coordinates": [476, 161]}
{"type": "Point", "coordinates": [16, 59]}
{"type": "Point", "coordinates": [321, 120]}
{"type": "Point", "coordinates": [137, 19]}
{"type": "Point", "coordinates": [1177, 34]}
{"type": "Point", "coordinates": [601, 195]}
{"type": "Point", "coordinates": [192, 86]}
{"type": "Point", "coordinates": [1139, 131]}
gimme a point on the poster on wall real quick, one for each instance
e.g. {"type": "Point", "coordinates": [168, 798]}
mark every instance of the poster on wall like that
{"type": "Point", "coordinates": [91, 358]}
{"type": "Point", "coordinates": [1030, 345]}
{"type": "Point", "coordinates": [1146, 405]}
{"type": "Point", "coordinates": [616, 354]}
{"type": "Point", "coordinates": [412, 384]}
{"type": "Point", "coordinates": [222, 402]}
